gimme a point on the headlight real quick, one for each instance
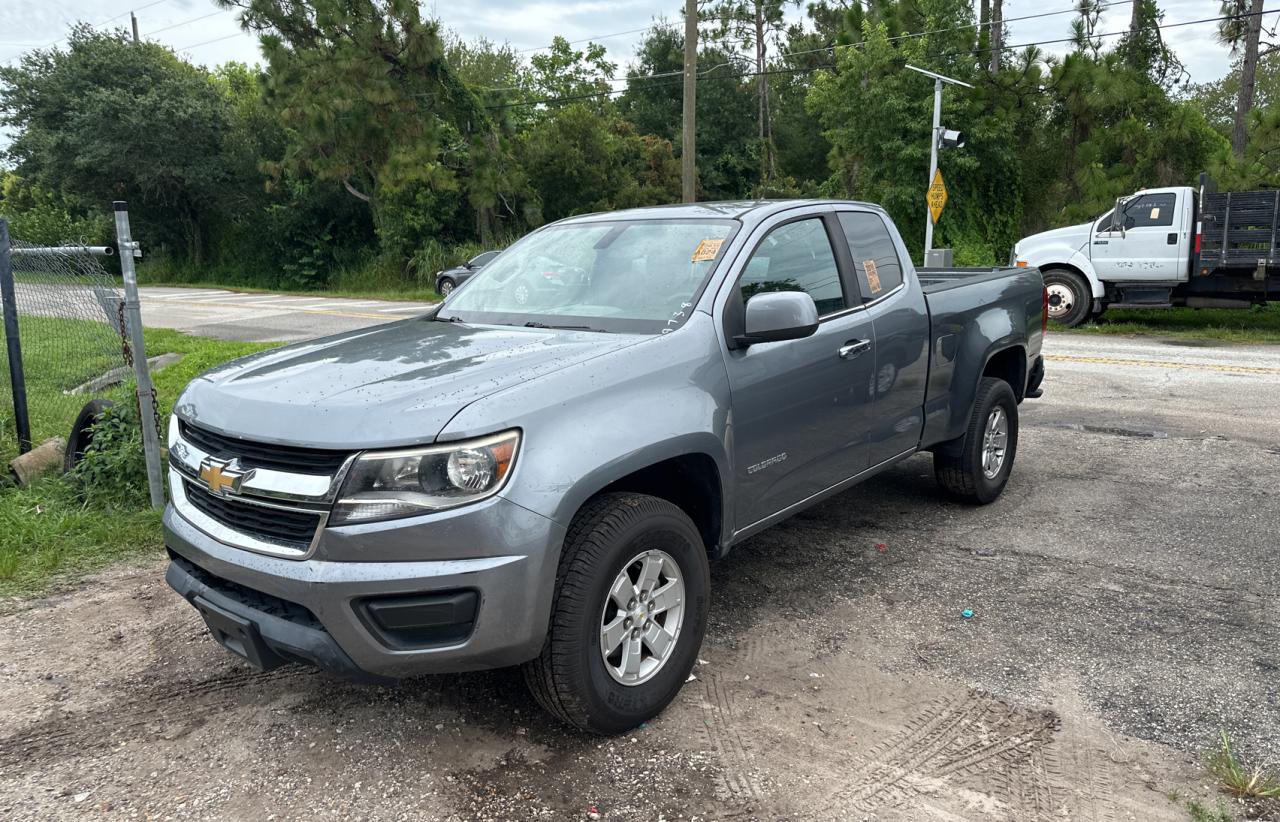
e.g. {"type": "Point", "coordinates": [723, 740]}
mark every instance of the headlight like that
{"type": "Point", "coordinates": [405, 483]}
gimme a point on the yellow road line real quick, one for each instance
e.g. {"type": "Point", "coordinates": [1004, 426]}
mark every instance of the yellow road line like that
{"type": "Point", "coordinates": [1195, 366]}
{"type": "Point", "coordinates": [327, 311]}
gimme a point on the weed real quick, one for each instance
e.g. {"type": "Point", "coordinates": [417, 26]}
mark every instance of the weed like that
{"type": "Point", "coordinates": [1237, 778]}
{"type": "Point", "coordinates": [1199, 813]}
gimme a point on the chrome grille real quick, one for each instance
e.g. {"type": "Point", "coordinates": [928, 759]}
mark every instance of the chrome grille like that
{"type": "Point", "coordinates": [293, 526]}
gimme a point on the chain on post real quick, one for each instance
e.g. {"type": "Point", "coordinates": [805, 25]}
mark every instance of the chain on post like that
{"type": "Point", "coordinates": [127, 353]}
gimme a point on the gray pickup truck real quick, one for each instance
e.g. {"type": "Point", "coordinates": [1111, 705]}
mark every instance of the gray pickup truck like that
{"type": "Point", "coordinates": [538, 471]}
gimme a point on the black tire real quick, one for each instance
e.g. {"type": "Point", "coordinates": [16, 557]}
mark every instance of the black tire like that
{"type": "Point", "coordinates": [445, 287]}
{"type": "Point", "coordinates": [569, 678]}
{"type": "Point", "coordinates": [957, 465]}
{"type": "Point", "coordinates": [82, 432]}
{"type": "Point", "coordinates": [1072, 301]}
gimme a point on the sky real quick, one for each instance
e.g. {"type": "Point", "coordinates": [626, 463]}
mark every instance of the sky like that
{"type": "Point", "coordinates": [201, 33]}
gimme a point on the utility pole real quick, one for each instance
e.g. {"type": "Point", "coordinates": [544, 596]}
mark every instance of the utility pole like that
{"type": "Point", "coordinates": [935, 140]}
{"type": "Point", "coordinates": [133, 18]}
{"type": "Point", "coordinates": [688, 150]}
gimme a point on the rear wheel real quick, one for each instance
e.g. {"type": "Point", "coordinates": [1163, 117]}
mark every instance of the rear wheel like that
{"type": "Point", "coordinates": [629, 614]}
{"type": "Point", "coordinates": [975, 468]}
{"type": "Point", "coordinates": [1070, 297]}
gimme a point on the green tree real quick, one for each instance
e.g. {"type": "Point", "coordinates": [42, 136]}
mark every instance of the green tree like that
{"type": "Point", "coordinates": [564, 72]}
{"type": "Point", "coordinates": [752, 25]}
{"type": "Point", "coordinates": [109, 119]}
{"type": "Point", "coordinates": [726, 168]}
{"type": "Point", "coordinates": [371, 103]}
{"type": "Point", "coordinates": [1242, 32]}
{"type": "Point", "coordinates": [579, 162]}
{"type": "Point", "coordinates": [1216, 99]}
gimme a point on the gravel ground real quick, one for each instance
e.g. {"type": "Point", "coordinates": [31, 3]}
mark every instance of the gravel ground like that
{"type": "Point", "coordinates": [1124, 612]}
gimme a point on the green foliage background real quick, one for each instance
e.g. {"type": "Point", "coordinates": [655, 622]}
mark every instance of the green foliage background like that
{"type": "Point", "coordinates": [373, 147]}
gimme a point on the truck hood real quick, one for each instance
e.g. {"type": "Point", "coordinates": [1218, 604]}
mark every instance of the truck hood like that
{"type": "Point", "coordinates": [1074, 237]}
{"type": "Point", "coordinates": [397, 384]}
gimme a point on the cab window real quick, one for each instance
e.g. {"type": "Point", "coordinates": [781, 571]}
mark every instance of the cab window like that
{"type": "Point", "coordinates": [796, 257]}
{"type": "Point", "coordinates": [875, 257]}
{"type": "Point", "coordinates": [1143, 211]}
{"type": "Point", "coordinates": [1149, 210]}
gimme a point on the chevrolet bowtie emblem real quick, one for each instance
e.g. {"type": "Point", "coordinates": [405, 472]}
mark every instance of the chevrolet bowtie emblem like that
{"type": "Point", "coordinates": [223, 477]}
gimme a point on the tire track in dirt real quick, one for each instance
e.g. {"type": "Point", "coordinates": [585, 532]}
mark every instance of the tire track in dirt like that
{"type": "Point", "coordinates": [168, 711]}
{"type": "Point", "coordinates": [738, 768]}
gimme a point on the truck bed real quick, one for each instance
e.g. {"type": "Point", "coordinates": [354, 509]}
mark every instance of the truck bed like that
{"type": "Point", "coordinates": [934, 280]}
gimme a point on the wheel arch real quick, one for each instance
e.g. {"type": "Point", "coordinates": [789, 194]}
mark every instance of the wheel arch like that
{"type": "Point", "coordinates": [1081, 267]}
{"type": "Point", "coordinates": [691, 480]}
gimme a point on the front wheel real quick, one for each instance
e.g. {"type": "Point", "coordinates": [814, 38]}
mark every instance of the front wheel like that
{"type": "Point", "coordinates": [975, 468]}
{"type": "Point", "coordinates": [445, 288]}
{"type": "Point", "coordinates": [1070, 298]}
{"type": "Point", "coordinates": [629, 614]}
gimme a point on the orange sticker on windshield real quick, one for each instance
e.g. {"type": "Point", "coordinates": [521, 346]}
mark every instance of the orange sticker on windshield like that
{"type": "Point", "coordinates": [873, 276]}
{"type": "Point", "coordinates": [707, 250]}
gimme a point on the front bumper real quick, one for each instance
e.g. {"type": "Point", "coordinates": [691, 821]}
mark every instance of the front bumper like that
{"type": "Point", "coordinates": [316, 610]}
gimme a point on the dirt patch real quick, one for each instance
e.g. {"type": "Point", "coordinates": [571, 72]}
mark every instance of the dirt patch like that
{"type": "Point", "coordinates": [1115, 630]}
{"type": "Point", "coordinates": [118, 706]}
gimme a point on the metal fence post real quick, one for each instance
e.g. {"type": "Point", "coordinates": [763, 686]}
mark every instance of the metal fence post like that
{"type": "Point", "coordinates": [142, 374]}
{"type": "Point", "coordinates": [17, 379]}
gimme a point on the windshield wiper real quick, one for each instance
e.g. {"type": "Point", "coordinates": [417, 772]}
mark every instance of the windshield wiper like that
{"type": "Point", "coordinates": [454, 319]}
{"type": "Point", "coordinates": [536, 324]}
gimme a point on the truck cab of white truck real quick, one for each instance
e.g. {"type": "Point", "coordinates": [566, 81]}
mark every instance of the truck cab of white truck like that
{"type": "Point", "coordinates": [1162, 247]}
{"type": "Point", "coordinates": [1140, 257]}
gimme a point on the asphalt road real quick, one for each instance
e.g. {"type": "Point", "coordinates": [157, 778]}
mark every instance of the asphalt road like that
{"type": "Point", "coordinates": [1125, 610]}
{"type": "Point", "coordinates": [226, 315]}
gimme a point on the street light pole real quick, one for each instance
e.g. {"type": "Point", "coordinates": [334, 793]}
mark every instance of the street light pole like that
{"type": "Point", "coordinates": [933, 160]}
{"type": "Point", "coordinates": [935, 137]}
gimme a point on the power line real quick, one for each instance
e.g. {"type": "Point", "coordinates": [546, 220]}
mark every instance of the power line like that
{"type": "Point", "coordinates": [893, 39]}
{"type": "Point", "coordinates": [187, 22]}
{"type": "Point", "coordinates": [207, 42]}
{"type": "Point", "coordinates": [810, 69]}
{"type": "Point", "coordinates": [113, 19]}
{"type": "Point", "coordinates": [587, 39]}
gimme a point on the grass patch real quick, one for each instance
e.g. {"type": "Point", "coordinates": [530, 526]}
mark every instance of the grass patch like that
{"type": "Point", "coordinates": [1239, 779]}
{"type": "Point", "coordinates": [1260, 324]}
{"type": "Point", "coordinates": [53, 529]}
{"type": "Point", "coordinates": [1201, 813]}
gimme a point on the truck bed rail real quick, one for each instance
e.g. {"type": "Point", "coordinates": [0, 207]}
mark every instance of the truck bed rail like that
{"type": "Point", "coordinates": [1238, 229]}
{"type": "Point", "coordinates": [933, 280]}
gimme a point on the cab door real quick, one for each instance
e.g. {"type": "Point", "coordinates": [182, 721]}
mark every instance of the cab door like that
{"type": "Point", "coordinates": [801, 408]}
{"type": "Point", "coordinates": [1152, 245]}
{"type": "Point", "coordinates": [900, 319]}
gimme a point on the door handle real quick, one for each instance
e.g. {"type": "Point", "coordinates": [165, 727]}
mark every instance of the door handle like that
{"type": "Point", "coordinates": [853, 348]}
{"type": "Point", "coordinates": [1100, 242]}
{"type": "Point", "coordinates": [1173, 238]}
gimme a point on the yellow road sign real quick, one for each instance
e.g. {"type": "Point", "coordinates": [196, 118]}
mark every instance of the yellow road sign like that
{"type": "Point", "coordinates": [937, 196]}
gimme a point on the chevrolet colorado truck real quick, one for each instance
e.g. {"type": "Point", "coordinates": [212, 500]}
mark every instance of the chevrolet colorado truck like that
{"type": "Point", "coordinates": [538, 471]}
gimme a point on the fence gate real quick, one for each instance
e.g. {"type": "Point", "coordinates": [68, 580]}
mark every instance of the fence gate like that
{"type": "Point", "coordinates": [73, 339]}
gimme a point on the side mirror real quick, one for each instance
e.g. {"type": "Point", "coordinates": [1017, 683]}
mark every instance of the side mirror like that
{"type": "Point", "coordinates": [1118, 216]}
{"type": "Point", "coordinates": [777, 316]}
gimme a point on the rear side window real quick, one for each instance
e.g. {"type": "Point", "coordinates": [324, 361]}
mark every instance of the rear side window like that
{"type": "Point", "coordinates": [796, 257]}
{"type": "Point", "coordinates": [875, 257]}
{"type": "Point", "coordinates": [1149, 210]}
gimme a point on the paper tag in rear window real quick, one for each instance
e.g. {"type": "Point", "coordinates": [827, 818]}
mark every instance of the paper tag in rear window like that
{"type": "Point", "coordinates": [873, 276]}
{"type": "Point", "coordinates": [706, 250]}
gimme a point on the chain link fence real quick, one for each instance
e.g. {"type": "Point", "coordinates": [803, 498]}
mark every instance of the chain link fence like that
{"type": "Point", "coordinates": [69, 340]}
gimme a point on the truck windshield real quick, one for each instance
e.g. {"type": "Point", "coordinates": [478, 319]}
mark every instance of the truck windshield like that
{"type": "Point", "coordinates": [632, 276]}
